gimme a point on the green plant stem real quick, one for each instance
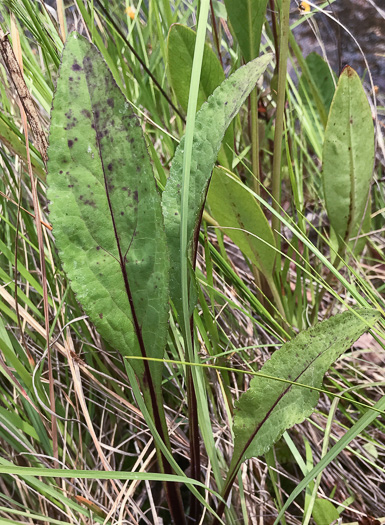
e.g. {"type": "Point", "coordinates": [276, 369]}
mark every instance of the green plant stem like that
{"type": "Point", "coordinates": [277, 298]}
{"type": "Point", "coordinates": [255, 140]}
{"type": "Point", "coordinates": [339, 257]}
{"type": "Point", "coordinates": [281, 96]}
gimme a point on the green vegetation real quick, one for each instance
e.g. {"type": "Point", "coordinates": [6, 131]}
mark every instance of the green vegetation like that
{"type": "Point", "coordinates": [167, 261]}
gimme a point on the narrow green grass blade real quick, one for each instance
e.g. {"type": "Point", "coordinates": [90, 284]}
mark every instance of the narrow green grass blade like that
{"type": "Point", "coordinates": [342, 443]}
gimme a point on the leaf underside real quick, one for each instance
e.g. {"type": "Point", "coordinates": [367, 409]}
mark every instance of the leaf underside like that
{"type": "Point", "coordinates": [211, 123]}
{"type": "Point", "coordinates": [105, 209]}
{"type": "Point", "coordinates": [242, 219]}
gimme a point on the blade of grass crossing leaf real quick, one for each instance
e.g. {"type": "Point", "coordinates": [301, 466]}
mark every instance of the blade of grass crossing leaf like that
{"type": "Point", "coordinates": [267, 408]}
{"type": "Point", "coordinates": [289, 223]}
{"type": "Point", "coordinates": [180, 53]}
{"type": "Point", "coordinates": [187, 155]}
{"type": "Point", "coordinates": [211, 123]}
{"type": "Point", "coordinates": [117, 260]}
{"type": "Point", "coordinates": [184, 216]}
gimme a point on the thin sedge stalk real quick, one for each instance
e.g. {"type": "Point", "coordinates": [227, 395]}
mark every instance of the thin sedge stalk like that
{"type": "Point", "coordinates": [281, 97]}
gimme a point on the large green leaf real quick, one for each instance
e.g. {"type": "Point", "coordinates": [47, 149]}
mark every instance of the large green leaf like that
{"type": "Point", "coordinates": [180, 53]}
{"type": "Point", "coordinates": [247, 18]}
{"type": "Point", "coordinates": [348, 156]}
{"type": "Point", "coordinates": [105, 209]}
{"type": "Point", "coordinates": [237, 212]}
{"type": "Point", "coordinates": [269, 407]}
{"type": "Point", "coordinates": [211, 123]}
{"type": "Point", "coordinates": [323, 79]}
{"type": "Point", "coordinates": [316, 78]}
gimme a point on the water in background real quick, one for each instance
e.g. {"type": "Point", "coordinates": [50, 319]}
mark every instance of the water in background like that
{"type": "Point", "coordinates": [367, 25]}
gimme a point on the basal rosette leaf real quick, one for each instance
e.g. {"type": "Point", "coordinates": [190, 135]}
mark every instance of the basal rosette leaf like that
{"type": "Point", "coordinates": [181, 42]}
{"type": "Point", "coordinates": [105, 208]}
{"type": "Point", "coordinates": [270, 407]}
{"type": "Point", "coordinates": [348, 156]}
{"type": "Point", "coordinates": [247, 18]}
{"type": "Point", "coordinates": [242, 219]}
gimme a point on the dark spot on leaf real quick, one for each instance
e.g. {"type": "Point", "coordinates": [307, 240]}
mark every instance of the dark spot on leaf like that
{"type": "Point", "coordinates": [137, 168]}
{"type": "Point", "coordinates": [97, 114]}
{"type": "Point", "coordinates": [124, 188]}
{"type": "Point", "coordinates": [101, 316]}
{"type": "Point", "coordinates": [70, 79]}
{"type": "Point", "coordinates": [86, 113]}
{"type": "Point", "coordinates": [136, 195]}
{"type": "Point", "coordinates": [76, 67]}
{"type": "Point", "coordinates": [70, 185]}
{"type": "Point", "coordinates": [122, 213]}
{"type": "Point", "coordinates": [109, 166]}
{"type": "Point", "coordinates": [132, 140]}
{"type": "Point", "coordinates": [110, 102]}
{"type": "Point", "coordinates": [61, 171]}
{"type": "Point", "coordinates": [76, 139]}
{"type": "Point", "coordinates": [176, 213]}
{"type": "Point", "coordinates": [81, 197]}
{"type": "Point", "coordinates": [90, 203]}
{"type": "Point", "coordinates": [70, 143]}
